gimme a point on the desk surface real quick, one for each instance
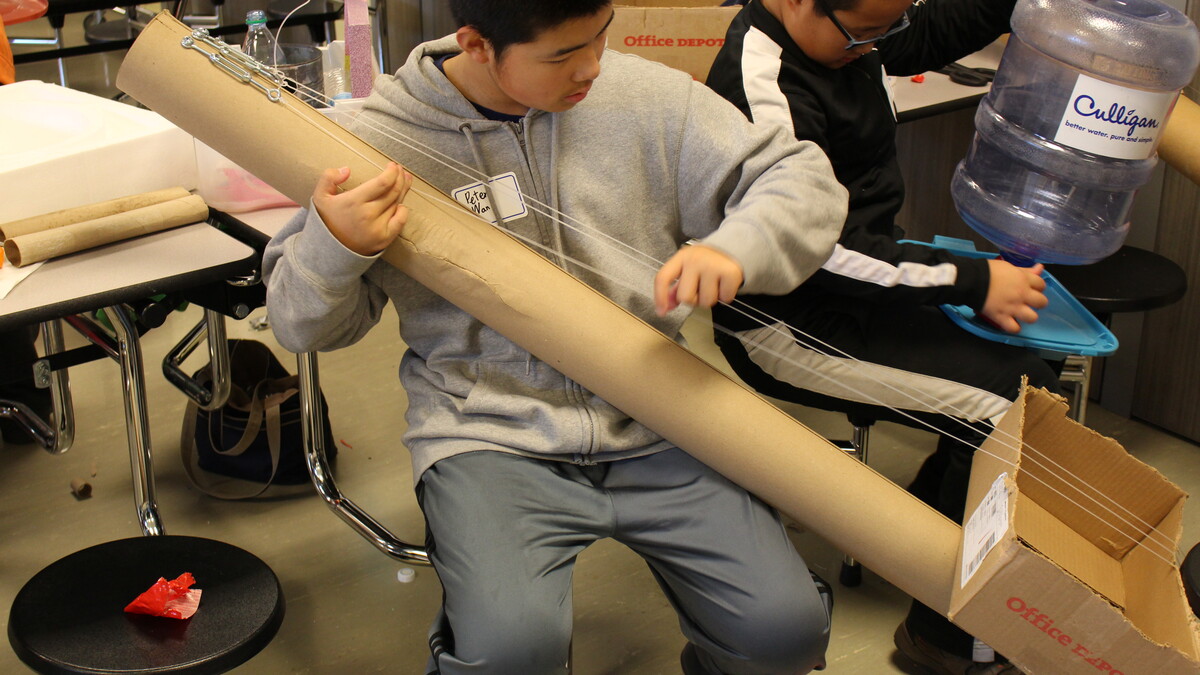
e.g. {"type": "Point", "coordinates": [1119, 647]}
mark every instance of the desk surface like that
{"type": "Point", "coordinates": [133, 269]}
{"type": "Point", "coordinates": [937, 94]}
{"type": "Point", "coordinates": [268, 221]}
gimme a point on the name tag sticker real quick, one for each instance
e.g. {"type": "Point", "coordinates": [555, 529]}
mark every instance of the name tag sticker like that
{"type": "Point", "coordinates": [509, 202]}
{"type": "Point", "coordinates": [1113, 121]}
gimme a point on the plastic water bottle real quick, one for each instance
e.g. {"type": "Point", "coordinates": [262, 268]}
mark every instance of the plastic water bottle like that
{"type": "Point", "coordinates": [1068, 132]}
{"type": "Point", "coordinates": [259, 43]}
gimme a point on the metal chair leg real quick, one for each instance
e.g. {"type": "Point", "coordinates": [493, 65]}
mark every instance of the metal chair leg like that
{"type": "Point", "coordinates": [1077, 370]}
{"type": "Point", "coordinates": [133, 381]}
{"type": "Point", "coordinates": [60, 389]}
{"type": "Point", "coordinates": [54, 435]}
{"type": "Point", "coordinates": [322, 474]}
{"type": "Point", "coordinates": [216, 393]}
{"type": "Point", "coordinates": [851, 574]}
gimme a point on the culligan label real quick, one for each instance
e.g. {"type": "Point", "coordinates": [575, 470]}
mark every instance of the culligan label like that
{"type": "Point", "coordinates": [1113, 121]}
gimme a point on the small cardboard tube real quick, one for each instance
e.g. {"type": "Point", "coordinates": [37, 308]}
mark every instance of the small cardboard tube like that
{"type": "Point", "coordinates": [52, 243]}
{"type": "Point", "coordinates": [81, 488]}
{"type": "Point", "coordinates": [87, 212]}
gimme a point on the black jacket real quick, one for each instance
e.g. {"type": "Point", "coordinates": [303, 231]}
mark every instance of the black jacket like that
{"type": "Point", "coordinates": [849, 113]}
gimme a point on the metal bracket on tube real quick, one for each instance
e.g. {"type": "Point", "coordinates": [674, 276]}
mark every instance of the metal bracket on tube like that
{"type": "Point", "coordinates": [233, 61]}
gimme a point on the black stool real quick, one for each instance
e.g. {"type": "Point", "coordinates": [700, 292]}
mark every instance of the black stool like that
{"type": "Point", "coordinates": [69, 617]}
{"type": "Point", "coordinates": [114, 30]}
{"type": "Point", "coordinates": [1130, 280]}
{"type": "Point", "coordinates": [1190, 571]}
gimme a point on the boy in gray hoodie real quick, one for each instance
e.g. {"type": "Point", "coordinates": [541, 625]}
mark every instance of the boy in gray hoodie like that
{"type": "Point", "coordinates": [518, 468]}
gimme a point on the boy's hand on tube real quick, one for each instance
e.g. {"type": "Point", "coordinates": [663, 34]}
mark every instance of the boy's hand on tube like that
{"type": "Point", "coordinates": [368, 218]}
{"type": "Point", "coordinates": [697, 275]}
{"type": "Point", "coordinates": [1014, 295]}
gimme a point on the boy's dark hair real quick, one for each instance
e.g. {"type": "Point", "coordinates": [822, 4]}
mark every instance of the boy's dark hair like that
{"type": "Point", "coordinates": [504, 23]}
{"type": "Point", "coordinates": [836, 6]}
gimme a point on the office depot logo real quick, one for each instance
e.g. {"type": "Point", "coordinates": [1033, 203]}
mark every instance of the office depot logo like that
{"type": "Point", "coordinates": [1045, 623]}
{"type": "Point", "coordinates": [656, 41]}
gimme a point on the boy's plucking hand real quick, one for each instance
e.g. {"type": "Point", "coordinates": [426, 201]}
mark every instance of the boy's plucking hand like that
{"type": "Point", "coordinates": [1014, 295]}
{"type": "Point", "coordinates": [699, 276]}
{"type": "Point", "coordinates": [368, 218]}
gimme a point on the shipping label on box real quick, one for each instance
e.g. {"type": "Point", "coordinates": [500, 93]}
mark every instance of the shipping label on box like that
{"type": "Point", "coordinates": [683, 34]}
{"type": "Point", "coordinates": [1068, 563]}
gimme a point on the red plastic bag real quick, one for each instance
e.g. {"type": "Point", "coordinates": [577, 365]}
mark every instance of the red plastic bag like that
{"type": "Point", "coordinates": [172, 599]}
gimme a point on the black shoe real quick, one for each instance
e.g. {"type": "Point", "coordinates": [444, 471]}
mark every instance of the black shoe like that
{"type": "Point", "coordinates": [689, 662]}
{"type": "Point", "coordinates": [932, 660]}
{"type": "Point", "coordinates": [825, 591]}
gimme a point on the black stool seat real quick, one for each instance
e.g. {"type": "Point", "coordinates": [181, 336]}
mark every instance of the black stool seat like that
{"type": "Point", "coordinates": [1130, 280]}
{"type": "Point", "coordinates": [1190, 571]}
{"type": "Point", "coordinates": [69, 618]}
{"type": "Point", "coordinates": [106, 30]}
{"type": "Point", "coordinates": [113, 30]}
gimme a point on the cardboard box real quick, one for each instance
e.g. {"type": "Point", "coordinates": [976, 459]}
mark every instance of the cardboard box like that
{"type": "Point", "coordinates": [1068, 563]}
{"type": "Point", "coordinates": [683, 34]}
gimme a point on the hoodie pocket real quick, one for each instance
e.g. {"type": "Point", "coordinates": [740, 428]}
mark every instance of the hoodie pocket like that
{"type": "Point", "coordinates": [530, 397]}
{"type": "Point", "coordinates": [552, 412]}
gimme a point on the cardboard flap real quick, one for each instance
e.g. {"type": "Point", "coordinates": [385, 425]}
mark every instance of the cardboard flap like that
{"type": "Point", "coordinates": [1156, 596]}
{"type": "Point", "coordinates": [1089, 481]}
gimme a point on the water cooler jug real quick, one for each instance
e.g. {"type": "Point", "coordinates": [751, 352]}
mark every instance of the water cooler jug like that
{"type": "Point", "coordinates": [1068, 132]}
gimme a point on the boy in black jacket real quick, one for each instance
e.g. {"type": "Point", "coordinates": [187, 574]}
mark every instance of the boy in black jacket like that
{"type": "Point", "coordinates": [817, 67]}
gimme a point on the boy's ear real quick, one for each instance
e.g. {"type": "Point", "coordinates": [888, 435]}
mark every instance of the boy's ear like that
{"type": "Point", "coordinates": [474, 45]}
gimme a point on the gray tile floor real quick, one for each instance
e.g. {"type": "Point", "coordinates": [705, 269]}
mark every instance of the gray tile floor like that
{"type": "Point", "coordinates": [347, 612]}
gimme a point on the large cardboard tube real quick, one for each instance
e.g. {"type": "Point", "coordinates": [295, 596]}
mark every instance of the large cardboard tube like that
{"type": "Point", "coordinates": [1180, 143]}
{"type": "Point", "coordinates": [562, 321]}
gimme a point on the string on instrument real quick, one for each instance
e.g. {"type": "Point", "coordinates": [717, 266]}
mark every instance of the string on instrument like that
{"type": "Point", "coordinates": [1139, 532]}
{"type": "Point", "coordinates": [279, 31]}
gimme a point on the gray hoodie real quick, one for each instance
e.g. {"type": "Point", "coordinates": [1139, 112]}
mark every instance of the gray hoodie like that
{"type": "Point", "coordinates": [650, 160]}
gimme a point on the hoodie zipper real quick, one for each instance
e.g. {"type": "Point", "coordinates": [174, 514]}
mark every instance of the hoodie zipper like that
{"type": "Point", "coordinates": [543, 221]}
{"type": "Point", "coordinates": [573, 389]}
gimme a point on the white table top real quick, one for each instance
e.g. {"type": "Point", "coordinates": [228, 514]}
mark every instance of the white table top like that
{"type": "Point", "coordinates": [937, 93]}
{"type": "Point", "coordinates": [268, 221]}
{"type": "Point", "coordinates": [136, 268]}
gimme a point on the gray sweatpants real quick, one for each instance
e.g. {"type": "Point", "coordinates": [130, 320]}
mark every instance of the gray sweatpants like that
{"type": "Point", "coordinates": [505, 531]}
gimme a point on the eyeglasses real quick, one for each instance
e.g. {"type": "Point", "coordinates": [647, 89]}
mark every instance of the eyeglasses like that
{"type": "Point", "coordinates": [900, 25]}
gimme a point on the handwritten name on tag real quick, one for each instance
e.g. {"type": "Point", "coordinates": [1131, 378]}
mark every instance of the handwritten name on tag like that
{"type": "Point", "coordinates": [509, 202]}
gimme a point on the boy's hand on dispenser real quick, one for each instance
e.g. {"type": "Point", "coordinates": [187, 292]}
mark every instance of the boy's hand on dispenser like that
{"type": "Point", "coordinates": [696, 275]}
{"type": "Point", "coordinates": [1014, 295]}
{"type": "Point", "coordinates": [368, 218]}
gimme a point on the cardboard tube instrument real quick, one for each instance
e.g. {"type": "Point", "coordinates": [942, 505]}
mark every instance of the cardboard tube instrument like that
{"type": "Point", "coordinates": [560, 320]}
{"type": "Point", "coordinates": [1180, 143]}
